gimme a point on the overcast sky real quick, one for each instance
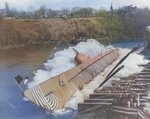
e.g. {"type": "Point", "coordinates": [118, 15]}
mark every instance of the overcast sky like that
{"type": "Point", "coordinates": [58, 4]}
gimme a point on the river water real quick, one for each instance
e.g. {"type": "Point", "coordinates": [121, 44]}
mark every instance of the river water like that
{"type": "Point", "coordinates": [21, 61]}
{"type": "Point", "coordinates": [24, 61]}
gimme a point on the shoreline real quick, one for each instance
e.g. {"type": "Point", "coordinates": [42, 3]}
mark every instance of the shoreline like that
{"type": "Point", "coordinates": [23, 45]}
{"type": "Point", "coordinates": [102, 40]}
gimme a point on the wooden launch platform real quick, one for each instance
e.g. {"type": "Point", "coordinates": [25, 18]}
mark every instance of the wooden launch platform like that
{"type": "Point", "coordinates": [139, 85]}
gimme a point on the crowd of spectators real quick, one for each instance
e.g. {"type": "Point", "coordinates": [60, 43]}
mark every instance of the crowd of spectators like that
{"type": "Point", "coordinates": [127, 100]}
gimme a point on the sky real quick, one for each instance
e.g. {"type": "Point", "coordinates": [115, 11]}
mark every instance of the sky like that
{"type": "Point", "coordinates": [26, 5]}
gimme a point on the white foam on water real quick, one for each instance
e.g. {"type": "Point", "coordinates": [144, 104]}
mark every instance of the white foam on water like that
{"type": "Point", "coordinates": [64, 60]}
{"type": "Point", "coordinates": [131, 63]}
{"type": "Point", "coordinates": [131, 66]}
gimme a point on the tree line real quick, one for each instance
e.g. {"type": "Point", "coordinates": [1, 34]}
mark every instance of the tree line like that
{"type": "Point", "coordinates": [44, 12]}
{"type": "Point", "coordinates": [136, 19]}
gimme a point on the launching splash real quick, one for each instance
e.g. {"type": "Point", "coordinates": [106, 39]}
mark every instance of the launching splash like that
{"type": "Point", "coordinates": [53, 93]}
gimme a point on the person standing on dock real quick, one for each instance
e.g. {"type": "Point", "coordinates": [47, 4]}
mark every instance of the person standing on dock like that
{"type": "Point", "coordinates": [128, 103]}
{"type": "Point", "coordinates": [138, 101]}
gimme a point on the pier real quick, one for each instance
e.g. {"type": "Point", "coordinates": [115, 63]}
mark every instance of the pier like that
{"type": "Point", "coordinates": [125, 99]}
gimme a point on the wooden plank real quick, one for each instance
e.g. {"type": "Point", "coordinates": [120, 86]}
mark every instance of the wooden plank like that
{"type": "Point", "coordinates": [98, 100]}
{"type": "Point", "coordinates": [85, 106]}
{"type": "Point", "coordinates": [143, 76]}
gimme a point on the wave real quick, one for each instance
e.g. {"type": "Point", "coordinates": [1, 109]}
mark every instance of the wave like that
{"type": "Point", "coordinates": [131, 67]}
{"type": "Point", "coordinates": [64, 60]}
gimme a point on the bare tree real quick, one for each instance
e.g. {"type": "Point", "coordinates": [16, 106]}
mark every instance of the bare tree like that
{"type": "Point", "coordinates": [23, 14]}
{"type": "Point", "coordinates": [42, 11]}
{"type": "Point", "coordinates": [31, 11]}
{"type": "Point", "coordinates": [77, 10]}
{"type": "Point", "coordinates": [54, 13]}
{"type": "Point", "coordinates": [65, 11]}
{"type": "Point", "coordinates": [49, 13]}
{"type": "Point", "coordinates": [83, 11]}
{"type": "Point", "coordinates": [7, 8]}
{"type": "Point", "coordinates": [13, 12]}
{"type": "Point", "coordinates": [36, 14]}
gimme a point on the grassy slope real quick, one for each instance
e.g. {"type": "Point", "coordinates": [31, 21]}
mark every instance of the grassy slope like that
{"type": "Point", "coordinates": [36, 31]}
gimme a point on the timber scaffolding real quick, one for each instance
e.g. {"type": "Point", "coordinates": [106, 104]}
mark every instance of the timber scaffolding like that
{"type": "Point", "coordinates": [104, 99]}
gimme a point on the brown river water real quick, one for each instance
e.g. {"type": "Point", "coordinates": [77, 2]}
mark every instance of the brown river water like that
{"type": "Point", "coordinates": [13, 62]}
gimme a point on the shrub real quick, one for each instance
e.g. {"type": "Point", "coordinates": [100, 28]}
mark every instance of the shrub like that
{"type": "Point", "coordinates": [1, 18]}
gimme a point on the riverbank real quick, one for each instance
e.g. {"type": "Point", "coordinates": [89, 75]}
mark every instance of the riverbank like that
{"type": "Point", "coordinates": [104, 41]}
{"type": "Point", "coordinates": [24, 45]}
{"type": "Point", "coordinates": [16, 33]}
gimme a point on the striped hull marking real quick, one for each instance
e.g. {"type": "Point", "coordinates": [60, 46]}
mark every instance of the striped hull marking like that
{"type": "Point", "coordinates": [49, 101]}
